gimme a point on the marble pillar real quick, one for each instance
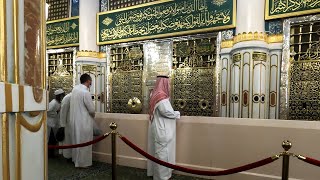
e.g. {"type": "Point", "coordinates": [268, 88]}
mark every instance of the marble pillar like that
{"type": "Point", "coordinates": [88, 59]}
{"type": "Point", "coordinates": [23, 96]}
{"type": "Point", "coordinates": [88, 10]}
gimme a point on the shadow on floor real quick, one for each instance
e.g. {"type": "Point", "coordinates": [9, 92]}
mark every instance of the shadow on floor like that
{"type": "Point", "coordinates": [60, 169]}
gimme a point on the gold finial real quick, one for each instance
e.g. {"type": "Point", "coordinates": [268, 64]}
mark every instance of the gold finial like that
{"type": "Point", "coordinates": [286, 145]}
{"type": "Point", "coordinates": [113, 126]}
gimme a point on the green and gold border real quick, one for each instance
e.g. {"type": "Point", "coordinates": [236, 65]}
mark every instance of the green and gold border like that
{"type": "Point", "coordinates": [289, 14]}
{"type": "Point", "coordinates": [205, 30]}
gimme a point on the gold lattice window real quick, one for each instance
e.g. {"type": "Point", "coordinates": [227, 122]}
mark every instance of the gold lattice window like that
{"type": "Point", "coordinates": [304, 99]}
{"type": "Point", "coordinates": [58, 9]}
{"type": "Point", "coordinates": [117, 4]}
{"type": "Point", "coordinates": [194, 53]}
{"type": "Point", "coordinates": [66, 58]}
{"type": "Point", "coordinates": [127, 58]}
{"type": "Point", "coordinates": [193, 81]}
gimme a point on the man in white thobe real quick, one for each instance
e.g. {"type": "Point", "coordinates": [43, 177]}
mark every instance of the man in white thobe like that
{"type": "Point", "coordinates": [82, 112]}
{"type": "Point", "coordinates": [162, 130]}
{"type": "Point", "coordinates": [65, 123]}
{"type": "Point", "coordinates": [53, 118]}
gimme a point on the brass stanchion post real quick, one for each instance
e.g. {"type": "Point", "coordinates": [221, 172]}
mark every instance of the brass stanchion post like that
{"type": "Point", "coordinates": [285, 159]}
{"type": "Point", "coordinates": [113, 126]}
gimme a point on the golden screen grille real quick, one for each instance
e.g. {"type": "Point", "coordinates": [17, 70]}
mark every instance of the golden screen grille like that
{"type": "Point", "coordinates": [193, 81]}
{"type": "Point", "coordinates": [65, 57]}
{"type": "Point", "coordinates": [127, 69]}
{"type": "Point", "coordinates": [304, 76]}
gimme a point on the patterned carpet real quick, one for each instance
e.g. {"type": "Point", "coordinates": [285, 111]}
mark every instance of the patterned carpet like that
{"type": "Point", "coordinates": [60, 169]}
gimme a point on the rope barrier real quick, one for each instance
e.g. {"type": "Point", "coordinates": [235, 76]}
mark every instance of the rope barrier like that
{"type": "Point", "coordinates": [308, 160]}
{"type": "Point", "coordinates": [98, 139]}
{"type": "Point", "coordinates": [200, 172]}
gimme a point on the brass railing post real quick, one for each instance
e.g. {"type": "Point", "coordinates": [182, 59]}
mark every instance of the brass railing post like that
{"type": "Point", "coordinates": [285, 159]}
{"type": "Point", "coordinates": [113, 126]}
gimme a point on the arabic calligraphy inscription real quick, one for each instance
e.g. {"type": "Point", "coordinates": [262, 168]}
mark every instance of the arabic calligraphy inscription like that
{"type": "Point", "coordinates": [285, 7]}
{"type": "Point", "coordinates": [164, 18]}
{"type": "Point", "coordinates": [63, 33]}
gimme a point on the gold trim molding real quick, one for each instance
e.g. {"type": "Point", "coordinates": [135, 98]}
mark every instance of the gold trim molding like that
{"type": "Point", "coordinates": [21, 89]}
{"type": "Point", "coordinates": [21, 121]}
{"type": "Point", "coordinates": [256, 36]}
{"type": "Point", "coordinates": [227, 44]}
{"type": "Point", "coordinates": [32, 128]}
{"type": "Point", "coordinates": [5, 147]}
{"type": "Point", "coordinates": [250, 36]}
{"type": "Point", "coordinates": [3, 43]}
{"type": "Point", "coordinates": [275, 38]}
{"type": "Point", "coordinates": [92, 54]}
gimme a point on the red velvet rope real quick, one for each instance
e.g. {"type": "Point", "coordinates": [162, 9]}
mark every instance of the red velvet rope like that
{"type": "Point", "coordinates": [79, 145]}
{"type": "Point", "coordinates": [199, 172]}
{"type": "Point", "coordinates": [311, 161]}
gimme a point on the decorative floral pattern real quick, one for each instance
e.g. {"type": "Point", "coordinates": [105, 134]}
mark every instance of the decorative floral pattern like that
{"type": "Point", "coordinates": [274, 27]}
{"type": "Point", "coordinates": [103, 5]}
{"type": "Point", "coordinates": [227, 34]}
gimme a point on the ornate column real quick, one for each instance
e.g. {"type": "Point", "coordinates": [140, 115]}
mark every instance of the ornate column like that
{"type": "Point", "coordinates": [89, 60]}
{"type": "Point", "coordinates": [23, 95]}
{"type": "Point", "coordinates": [248, 64]}
{"type": "Point", "coordinates": [225, 62]}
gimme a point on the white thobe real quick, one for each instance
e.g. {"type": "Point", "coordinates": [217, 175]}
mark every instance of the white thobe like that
{"type": "Point", "coordinates": [53, 117]}
{"type": "Point", "coordinates": [82, 112]}
{"type": "Point", "coordinates": [65, 123]}
{"type": "Point", "coordinates": [162, 139]}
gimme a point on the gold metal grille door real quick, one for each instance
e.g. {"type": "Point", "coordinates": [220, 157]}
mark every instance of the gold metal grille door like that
{"type": "Point", "coordinates": [194, 91]}
{"type": "Point", "coordinates": [193, 82]}
{"type": "Point", "coordinates": [126, 83]}
{"type": "Point", "coordinates": [125, 86]}
{"type": "Point", "coordinates": [304, 99]}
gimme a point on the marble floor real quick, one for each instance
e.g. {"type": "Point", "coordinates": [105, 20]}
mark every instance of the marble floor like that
{"type": "Point", "coordinates": [60, 169]}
